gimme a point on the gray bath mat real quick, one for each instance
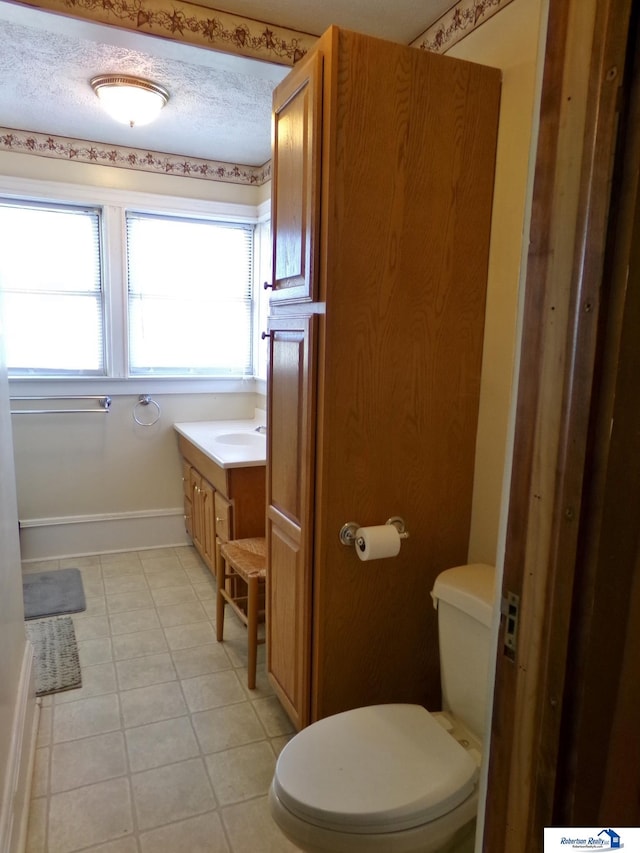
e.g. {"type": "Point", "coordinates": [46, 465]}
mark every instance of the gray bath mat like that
{"type": "Point", "coordinates": [55, 654]}
{"type": "Point", "coordinates": [52, 593]}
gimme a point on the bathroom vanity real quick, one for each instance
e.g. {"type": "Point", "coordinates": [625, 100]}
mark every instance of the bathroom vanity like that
{"type": "Point", "coordinates": [383, 166]}
{"type": "Point", "coordinates": [223, 478]}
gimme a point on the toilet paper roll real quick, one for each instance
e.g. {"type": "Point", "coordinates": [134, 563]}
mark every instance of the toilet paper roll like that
{"type": "Point", "coordinates": [376, 543]}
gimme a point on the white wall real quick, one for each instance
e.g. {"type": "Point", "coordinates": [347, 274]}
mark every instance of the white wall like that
{"type": "Point", "coordinates": [93, 483]}
{"type": "Point", "coordinates": [508, 40]}
{"type": "Point", "coordinates": [17, 697]}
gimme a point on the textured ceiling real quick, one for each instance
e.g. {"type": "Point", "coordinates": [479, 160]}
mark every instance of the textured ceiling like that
{"type": "Point", "coordinates": [220, 104]}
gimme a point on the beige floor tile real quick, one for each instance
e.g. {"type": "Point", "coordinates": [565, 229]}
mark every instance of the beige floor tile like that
{"type": "Point", "coordinates": [123, 569]}
{"type": "Point", "coordinates": [122, 602]}
{"type": "Point", "coordinates": [251, 829]}
{"type": "Point", "coordinates": [124, 583]}
{"type": "Point", "coordinates": [86, 717]}
{"type": "Point", "coordinates": [212, 691]}
{"type": "Point", "coordinates": [203, 834]}
{"type": "Point", "coordinates": [188, 556]}
{"type": "Point", "coordinates": [141, 672]}
{"type": "Point", "coordinates": [86, 562]}
{"type": "Point", "coordinates": [172, 578]}
{"type": "Point", "coordinates": [96, 680]}
{"type": "Point", "coordinates": [119, 557]}
{"type": "Point", "coordinates": [122, 845]}
{"type": "Point", "coordinates": [37, 827]}
{"type": "Point", "coordinates": [134, 620]}
{"type": "Point", "coordinates": [40, 785]}
{"type": "Point", "coordinates": [45, 726]}
{"type": "Point", "coordinates": [90, 815]}
{"type": "Point", "coordinates": [150, 704]}
{"type": "Point", "coordinates": [173, 595]}
{"type": "Point", "coordinates": [91, 628]}
{"type": "Point", "coordinates": [83, 762]}
{"type": "Point", "coordinates": [273, 716]}
{"type": "Point", "coordinates": [156, 744]}
{"type": "Point", "coordinates": [222, 728]}
{"type": "Point", "coordinates": [40, 566]}
{"type": "Point", "coordinates": [209, 605]}
{"type": "Point", "coordinates": [95, 651]}
{"type": "Point", "coordinates": [200, 660]}
{"type": "Point", "coordinates": [158, 553]}
{"type": "Point", "coordinates": [171, 793]}
{"type": "Point", "coordinates": [96, 605]}
{"type": "Point", "coordinates": [141, 643]}
{"type": "Point", "coordinates": [93, 586]}
{"type": "Point", "coordinates": [188, 636]}
{"type": "Point", "coordinates": [241, 773]}
{"type": "Point", "coordinates": [198, 574]}
{"type": "Point", "coordinates": [279, 743]}
{"type": "Point", "coordinates": [181, 614]}
{"type": "Point", "coordinates": [167, 563]}
{"type": "Point", "coordinates": [205, 591]}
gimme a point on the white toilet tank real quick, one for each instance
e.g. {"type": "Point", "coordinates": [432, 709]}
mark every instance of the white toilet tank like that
{"type": "Point", "coordinates": [464, 599]}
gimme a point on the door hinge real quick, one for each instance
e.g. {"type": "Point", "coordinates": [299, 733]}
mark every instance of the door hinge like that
{"type": "Point", "coordinates": [510, 609]}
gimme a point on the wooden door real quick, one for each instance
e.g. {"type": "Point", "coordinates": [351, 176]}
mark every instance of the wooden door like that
{"type": "Point", "coordinates": [534, 722]}
{"type": "Point", "coordinates": [290, 479]}
{"type": "Point", "coordinates": [297, 117]}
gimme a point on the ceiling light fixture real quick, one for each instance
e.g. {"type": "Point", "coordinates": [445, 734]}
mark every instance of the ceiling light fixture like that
{"type": "Point", "coordinates": [130, 100]}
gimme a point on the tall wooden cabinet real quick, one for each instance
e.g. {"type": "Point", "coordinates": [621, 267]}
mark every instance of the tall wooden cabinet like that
{"type": "Point", "coordinates": [383, 168]}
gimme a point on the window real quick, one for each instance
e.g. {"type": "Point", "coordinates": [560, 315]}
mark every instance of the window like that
{"type": "Point", "coordinates": [107, 291]}
{"type": "Point", "coordinates": [189, 296]}
{"type": "Point", "coordinates": [50, 275]}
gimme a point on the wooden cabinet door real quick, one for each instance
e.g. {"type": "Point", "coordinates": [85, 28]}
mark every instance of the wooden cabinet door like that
{"type": "Point", "coordinates": [295, 189]}
{"type": "Point", "coordinates": [290, 478]}
{"type": "Point", "coordinates": [208, 531]}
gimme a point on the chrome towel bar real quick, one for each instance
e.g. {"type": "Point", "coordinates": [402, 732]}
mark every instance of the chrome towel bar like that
{"type": "Point", "coordinates": [104, 404]}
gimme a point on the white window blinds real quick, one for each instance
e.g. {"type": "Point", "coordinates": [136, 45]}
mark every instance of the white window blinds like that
{"type": "Point", "coordinates": [51, 284]}
{"type": "Point", "coordinates": [189, 296]}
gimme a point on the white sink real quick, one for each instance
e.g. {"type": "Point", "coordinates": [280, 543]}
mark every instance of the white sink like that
{"type": "Point", "coordinates": [243, 439]}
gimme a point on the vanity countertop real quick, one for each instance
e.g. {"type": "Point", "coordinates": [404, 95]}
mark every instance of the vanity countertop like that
{"type": "Point", "coordinates": [230, 444]}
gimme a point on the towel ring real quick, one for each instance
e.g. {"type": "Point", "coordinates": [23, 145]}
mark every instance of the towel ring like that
{"type": "Point", "coordinates": [145, 400]}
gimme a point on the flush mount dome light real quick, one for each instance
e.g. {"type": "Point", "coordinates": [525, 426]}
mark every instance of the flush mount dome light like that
{"type": "Point", "coordinates": [130, 100]}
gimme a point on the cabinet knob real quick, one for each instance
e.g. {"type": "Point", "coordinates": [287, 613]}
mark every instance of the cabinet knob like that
{"type": "Point", "coordinates": [265, 335]}
{"type": "Point", "coordinates": [267, 286]}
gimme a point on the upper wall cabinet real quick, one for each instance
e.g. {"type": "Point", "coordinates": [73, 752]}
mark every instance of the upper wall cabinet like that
{"type": "Point", "coordinates": [295, 186]}
{"type": "Point", "coordinates": [376, 334]}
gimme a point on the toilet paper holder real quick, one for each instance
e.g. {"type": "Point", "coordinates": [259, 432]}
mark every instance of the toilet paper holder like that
{"type": "Point", "coordinates": [348, 530]}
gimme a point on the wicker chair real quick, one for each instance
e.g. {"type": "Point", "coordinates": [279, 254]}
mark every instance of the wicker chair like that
{"type": "Point", "coordinates": [241, 575]}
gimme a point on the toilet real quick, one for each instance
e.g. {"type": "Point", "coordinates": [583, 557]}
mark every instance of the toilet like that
{"type": "Point", "coordinates": [396, 778]}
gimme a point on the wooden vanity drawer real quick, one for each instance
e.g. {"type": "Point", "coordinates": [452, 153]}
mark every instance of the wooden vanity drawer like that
{"type": "Point", "coordinates": [223, 517]}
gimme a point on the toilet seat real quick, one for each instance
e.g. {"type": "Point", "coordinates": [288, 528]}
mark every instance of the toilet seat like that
{"type": "Point", "coordinates": [378, 769]}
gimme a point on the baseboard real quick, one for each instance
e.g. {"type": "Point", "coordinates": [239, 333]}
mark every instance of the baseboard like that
{"type": "Point", "coordinates": [14, 809]}
{"type": "Point", "coordinates": [73, 536]}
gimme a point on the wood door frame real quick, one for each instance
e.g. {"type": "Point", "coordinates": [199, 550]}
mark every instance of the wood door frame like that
{"type": "Point", "coordinates": [559, 340]}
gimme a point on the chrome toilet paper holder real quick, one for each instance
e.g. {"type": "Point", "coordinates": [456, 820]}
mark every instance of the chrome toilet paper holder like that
{"type": "Point", "coordinates": [348, 530]}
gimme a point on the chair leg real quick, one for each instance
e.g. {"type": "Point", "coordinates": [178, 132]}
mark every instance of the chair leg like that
{"type": "Point", "coordinates": [252, 630]}
{"type": "Point", "coordinates": [220, 602]}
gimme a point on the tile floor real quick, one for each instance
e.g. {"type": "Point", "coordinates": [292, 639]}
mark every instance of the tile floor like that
{"type": "Point", "coordinates": [163, 749]}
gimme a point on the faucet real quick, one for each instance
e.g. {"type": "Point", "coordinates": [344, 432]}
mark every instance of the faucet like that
{"type": "Point", "coordinates": [261, 429]}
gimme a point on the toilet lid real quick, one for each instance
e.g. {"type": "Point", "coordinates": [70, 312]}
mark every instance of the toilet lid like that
{"type": "Point", "coordinates": [382, 768]}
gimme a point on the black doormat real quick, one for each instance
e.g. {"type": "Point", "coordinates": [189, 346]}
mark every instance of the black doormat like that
{"type": "Point", "coordinates": [52, 593]}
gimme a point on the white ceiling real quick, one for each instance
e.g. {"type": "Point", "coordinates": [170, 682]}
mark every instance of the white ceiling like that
{"type": "Point", "coordinates": [220, 105]}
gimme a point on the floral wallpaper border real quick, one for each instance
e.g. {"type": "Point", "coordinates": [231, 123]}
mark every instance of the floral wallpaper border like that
{"type": "Point", "coordinates": [457, 23]}
{"type": "Point", "coordinates": [188, 22]}
{"type": "Point", "coordinates": [82, 151]}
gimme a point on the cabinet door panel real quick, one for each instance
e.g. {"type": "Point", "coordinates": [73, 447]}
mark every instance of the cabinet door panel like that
{"type": "Point", "coordinates": [290, 477]}
{"type": "Point", "coordinates": [297, 115]}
